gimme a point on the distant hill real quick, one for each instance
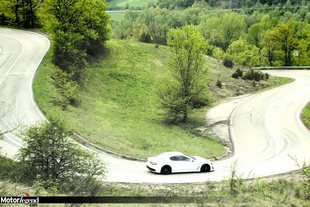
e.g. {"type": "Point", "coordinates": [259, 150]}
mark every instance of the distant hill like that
{"type": "Point", "coordinates": [171, 4]}
{"type": "Point", "coordinates": [230, 3]}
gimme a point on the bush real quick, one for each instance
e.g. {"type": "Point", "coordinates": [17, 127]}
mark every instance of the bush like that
{"type": "Point", "coordinates": [235, 182]}
{"type": "Point", "coordinates": [145, 37]}
{"type": "Point", "coordinates": [255, 75]}
{"type": "Point", "coordinates": [235, 75]}
{"type": "Point", "coordinates": [66, 88]}
{"type": "Point", "coordinates": [228, 63]}
{"type": "Point", "coordinates": [176, 105]}
{"type": "Point", "coordinates": [248, 75]}
{"type": "Point", "coordinates": [49, 155]}
{"type": "Point", "coordinates": [12, 169]}
{"type": "Point", "coordinates": [239, 72]}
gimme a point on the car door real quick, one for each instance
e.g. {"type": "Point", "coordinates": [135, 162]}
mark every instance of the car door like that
{"type": "Point", "coordinates": [181, 163]}
{"type": "Point", "coordinates": [188, 164]}
{"type": "Point", "coordinates": [175, 163]}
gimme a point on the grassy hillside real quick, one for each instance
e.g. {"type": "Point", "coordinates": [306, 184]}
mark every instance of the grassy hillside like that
{"type": "Point", "coordinates": [306, 115]}
{"type": "Point", "coordinates": [120, 109]}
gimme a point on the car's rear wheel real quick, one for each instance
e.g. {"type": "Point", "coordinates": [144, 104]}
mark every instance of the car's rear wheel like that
{"type": "Point", "coordinates": [205, 168]}
{"type": "Point", "coordinates": [166, 170]}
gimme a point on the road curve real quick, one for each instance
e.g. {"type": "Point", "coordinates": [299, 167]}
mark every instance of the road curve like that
{"type": "Point", "coordinates": [265, 127]}
{"type": "Point", "coordinates": [20, 55]}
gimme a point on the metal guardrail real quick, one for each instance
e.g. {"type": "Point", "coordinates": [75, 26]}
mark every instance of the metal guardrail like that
{"type": "Point", "coordinates": [282, 68]}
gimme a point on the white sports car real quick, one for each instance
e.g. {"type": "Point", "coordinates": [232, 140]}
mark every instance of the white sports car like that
{"type": "Point", "coordinates": [176, 162]}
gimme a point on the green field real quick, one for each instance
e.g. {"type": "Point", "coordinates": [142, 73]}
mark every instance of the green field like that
{"type": "Point", "coordinates": [120, 109]}
{"type": "Point", "coordinates": [125, 4]}
{"type": "Point", "coordinates": [306, 115]}
{"type": "Point", "coordinates": [117, 16]}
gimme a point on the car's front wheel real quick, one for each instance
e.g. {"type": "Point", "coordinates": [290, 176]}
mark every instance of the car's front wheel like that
{"type": "Point", "coordinates": [205, 168]}
{"type": "Point", "coordinates": [166, 170]}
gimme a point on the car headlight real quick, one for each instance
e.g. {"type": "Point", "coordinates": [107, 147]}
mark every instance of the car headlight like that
{"type": "Point", "coordinates": [153, 163]}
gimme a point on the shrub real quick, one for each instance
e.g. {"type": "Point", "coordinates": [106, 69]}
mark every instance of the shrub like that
{"type": "Point", "coordinates": [255, 75]}
{"type": "Point", "coordinates": [145, 37]}
{"type": "Point", "coordinates": [235, 181]}
{"type": "Point", "coordinates": [67, 89]}
{"type": "Point", "coordinates": [235, 75]}
{"type": "Point", "coordinates": [248, 75]}
{"type": "Point", "coordinates": [228, 63]}
{"type": "Point", "coordinates": [239, 72]}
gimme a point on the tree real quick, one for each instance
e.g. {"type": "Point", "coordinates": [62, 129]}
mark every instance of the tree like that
{"type": "Point", "coordinates": [270, 46]}
{"type": "Point", "coordinates": [50, 156]}
{"type": "Point", "coordinates": [233, 25]}
{"type": "Point", "coordinates": [29, 12]}
{"type": "Point", "coordinates": [287, 41]}
{"type": "Point", "coordinates": [188, 86]}
{"type": "Point", "coordinates": [79, 29]}
{"type": "Point", "coordinates": [303, 48]}
{"type": "Point", "coordinates": [5, 11]}
{"type": "Point", "coordinates": [222, 31]}
{"type": "Point", "coordinates": [244, 53]}
{"type": "Point", "coordinates": [211, 30]}
{"type": "Point", "coordinates": [281, 39]}
{"type": "Point", "coordinates": [22, 12]}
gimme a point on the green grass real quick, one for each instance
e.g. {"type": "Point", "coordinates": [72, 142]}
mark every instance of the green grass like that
{"type": "Point", "coordinates": [125, 4]}
{"type": "Point", "coordinates": [120, 109]}
{"type": "Point", "coordinates": [287, 191]}
{"type": "Point", "coordinates": [306, 115]}
{"type": "Point", "coordinates": [117, 16]}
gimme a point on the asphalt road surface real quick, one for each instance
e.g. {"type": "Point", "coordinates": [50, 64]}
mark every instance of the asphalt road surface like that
{"type": "Point", "coordinates": [266, 128]}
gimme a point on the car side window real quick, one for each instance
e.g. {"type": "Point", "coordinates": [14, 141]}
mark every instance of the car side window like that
{"type": "Point", "coordinates": [179, 158]}
{"type": "Point", "coordinates": [183, 158]}
{"type": "Point", "coordinates": [174, 158]}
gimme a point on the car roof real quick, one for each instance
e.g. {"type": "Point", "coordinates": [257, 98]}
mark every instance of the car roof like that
{"type": "Point", "coordinates": [169, 154]}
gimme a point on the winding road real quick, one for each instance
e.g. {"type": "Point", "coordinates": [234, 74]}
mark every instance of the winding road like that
{"type": "Point", "coordinates": [266, 129]}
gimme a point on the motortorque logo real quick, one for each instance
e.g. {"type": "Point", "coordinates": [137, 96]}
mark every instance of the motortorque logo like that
{"type": "Point", "coordinates": [27, 200]}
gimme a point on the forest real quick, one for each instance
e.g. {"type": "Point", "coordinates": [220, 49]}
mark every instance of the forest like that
{"type": "Point", "coordinates": [228, 3]}
{"type": "Point", "coordinates": [247, 32]}
{"type": "Point", "coordinates": [255, 36]}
